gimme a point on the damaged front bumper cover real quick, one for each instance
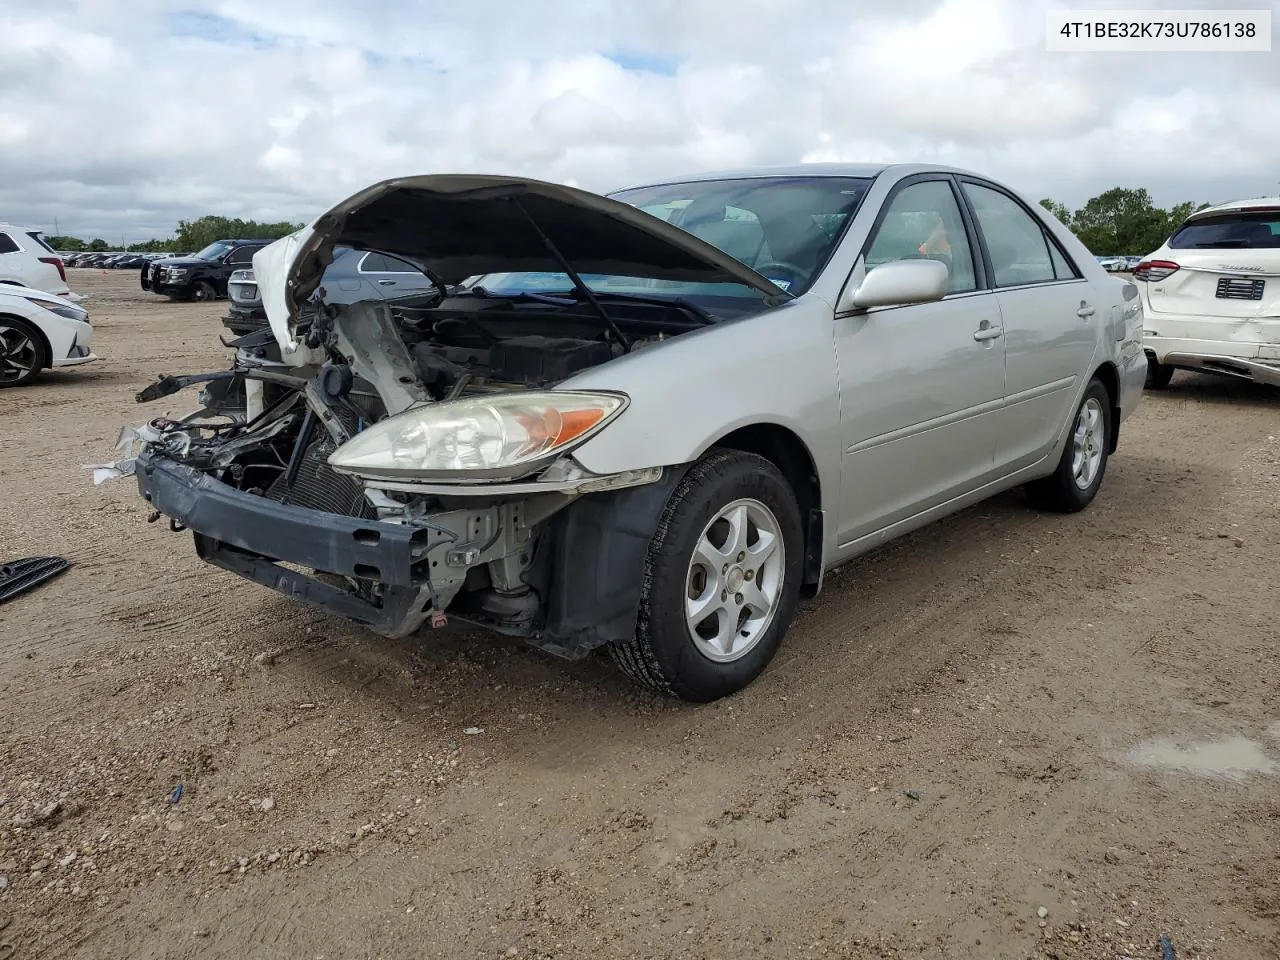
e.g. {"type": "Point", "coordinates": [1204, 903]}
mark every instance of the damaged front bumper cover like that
{"type": "Point", "coordinates": [252, 536]}
{"type": "Point", "coordinates": [379, 574]}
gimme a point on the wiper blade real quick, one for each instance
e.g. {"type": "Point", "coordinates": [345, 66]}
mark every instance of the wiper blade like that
{"type": "Point", "coordinates": [688, 306]}
{"type": "Point", "coordinates": [522, 296]}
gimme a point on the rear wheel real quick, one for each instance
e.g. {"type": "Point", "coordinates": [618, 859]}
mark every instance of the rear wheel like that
{"type": "Point", "coordinates": [22, 352]}
{"type": "Point", "coordinates": [721, 581]}
{"type": "Point", "coordinates": [1074, 484]}
{"type": "Point", "coordinates": [1158, 374]}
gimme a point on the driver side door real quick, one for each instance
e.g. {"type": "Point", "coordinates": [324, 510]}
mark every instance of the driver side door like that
{"type": "Point", "coordinates": [921, 385]}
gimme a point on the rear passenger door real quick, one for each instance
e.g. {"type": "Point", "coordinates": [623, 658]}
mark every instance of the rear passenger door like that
{"type": "Point", "coordinates": [1050, 329]}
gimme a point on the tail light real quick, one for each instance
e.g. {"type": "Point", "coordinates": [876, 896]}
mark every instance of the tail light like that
{"type": "Point", "coordinates": [55, 262]}
{"type": "Point", "coordinates": [1153, 270]}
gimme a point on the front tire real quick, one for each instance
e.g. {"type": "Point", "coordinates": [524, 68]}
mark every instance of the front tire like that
{"type": "Point", "coordinates": [202, 291]}
{"type": "Point", "coordinates": [22, 352]}
{"type": "Point", "coordinates": [721, 580]}
{"type": "Point", "coordinates": [1158, 374]}
{"type": "Point", "coordinates": [1075, 482]}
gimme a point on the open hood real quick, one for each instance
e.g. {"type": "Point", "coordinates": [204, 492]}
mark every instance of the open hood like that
{"type": "Point", "coordinates": [455, 226]}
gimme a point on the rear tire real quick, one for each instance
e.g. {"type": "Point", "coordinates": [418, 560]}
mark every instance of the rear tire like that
{"type": "Point", "coordinates": [23, 353]}
{"type": "Point", "coordinates": [1075, 482]}
{"type": "Point", "coordinates": [721, 580]}
{"type": "Point", "coordinates": [1158, 374]}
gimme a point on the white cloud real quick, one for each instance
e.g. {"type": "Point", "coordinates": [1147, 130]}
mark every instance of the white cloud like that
{"type": "Point", "coordinates": [122, 118]}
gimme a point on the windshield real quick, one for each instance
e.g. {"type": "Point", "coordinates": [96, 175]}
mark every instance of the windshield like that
{"type": "Point", "coordinates": [214, 250]}
{"type": "Point", "coordinates": [1235, 231]}
{"type": "Point", "coordinates": [785, 228]}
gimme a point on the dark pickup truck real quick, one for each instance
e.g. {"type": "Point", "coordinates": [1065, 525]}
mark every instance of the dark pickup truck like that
{"type": "Point", "coordinates": [202, 276]}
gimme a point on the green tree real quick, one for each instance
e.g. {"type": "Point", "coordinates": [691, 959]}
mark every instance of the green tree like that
{"type": "Point", "coordinates": [1059, 210]}
{"type": "Point", "coordinates": [198, 233]}
{"type": "Point", "coordinates": [68, 244]}
{"type": "Point", "coordinates": [97, 244]}
{"type": "Point", "coordinates": [1121, 221]}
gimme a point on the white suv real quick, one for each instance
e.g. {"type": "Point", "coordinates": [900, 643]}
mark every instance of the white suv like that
{"type": "Point", "coordinates": [1211, 295]}
{"type": "Point", "coordinates": [26, 260]}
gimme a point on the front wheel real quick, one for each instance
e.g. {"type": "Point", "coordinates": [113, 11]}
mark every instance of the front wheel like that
{"type": "Point", "coordinates": [721, 580]}
{"type": "Point", "coordinates": [202, 290]}
{"type": "Point", "coordinates": [22, 352]}
{"type": "Point", "coordinates": [1074, 484]}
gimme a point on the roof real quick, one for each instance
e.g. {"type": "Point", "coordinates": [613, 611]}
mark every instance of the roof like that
{"type": "Point", "coordinates": [1256, 203]}
{"type": "Point", "coordinates": [805, 170]}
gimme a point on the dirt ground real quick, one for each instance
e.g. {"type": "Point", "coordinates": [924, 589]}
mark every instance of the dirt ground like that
{"type": "Point", "coordinates": [1010, 735]}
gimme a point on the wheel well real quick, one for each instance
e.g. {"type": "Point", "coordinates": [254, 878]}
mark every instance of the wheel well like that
{"type": "Point", "coordinates": [1110, 378]}
{"type": "Point", "coordinates": [786, 451]}
{"type": "Point", "coordinates": [48, 347]}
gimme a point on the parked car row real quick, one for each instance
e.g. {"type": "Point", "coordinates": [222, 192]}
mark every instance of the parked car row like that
{"type": "Point", "coordinates": [1118, 264]}
{"type": "Point", "coordinates": [112, 261]}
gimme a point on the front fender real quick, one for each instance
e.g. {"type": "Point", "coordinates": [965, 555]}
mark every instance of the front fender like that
{"type": "Point", "coordinates": [777, 367]}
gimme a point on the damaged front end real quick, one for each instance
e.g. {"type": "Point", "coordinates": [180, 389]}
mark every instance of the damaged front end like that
{"type": "Point", "coordinates": [251, 474]}
{"type": "Point", "coordinates": [392, 461]}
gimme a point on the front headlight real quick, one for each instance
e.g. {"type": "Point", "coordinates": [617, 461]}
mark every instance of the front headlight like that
{"type": "Point", "coordinates": [497, 437]}
{"type": "Point", "coordinates": [177, 273]}
{"type": "Point", "coordinates": [61, 309]}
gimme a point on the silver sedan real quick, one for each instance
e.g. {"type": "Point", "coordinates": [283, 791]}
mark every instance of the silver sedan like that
{"type": "Point", "coordinates": [649, 423]}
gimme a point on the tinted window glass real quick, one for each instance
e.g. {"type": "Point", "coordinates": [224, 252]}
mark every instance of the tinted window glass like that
{"type": "Point", "coordinates": [1017, 243]}
{"type": "Point", "coordinates": [1232, 231]}
{"type": "Point", "coordinates": [243, 255]}
{"type": "Point", "coordinates": [7, 245]}
{"type": "Point", "coordinates": [381, 263]}
{"type": "Point", "coordinates": [1061, 268]}
{"type": "Point", "coordinates": [923, 222]}
{"type": "Point", "coordinates": [213, 251]}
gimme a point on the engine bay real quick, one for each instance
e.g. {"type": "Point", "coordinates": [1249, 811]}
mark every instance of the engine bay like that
{"type": "Point", "coordinates": [473, 343]}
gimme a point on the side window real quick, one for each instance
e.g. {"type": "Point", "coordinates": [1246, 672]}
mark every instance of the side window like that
{"type": "Point", "coordinates": [923, 221]}
{"type": "Point", "coordinates": [1061, 268]}
{"type": "Point", "coordinates": [242, 255]}
{"type": "Point", "coordinates": [7, 245]}
{"type": "Point", "coordinates": [380, 263]}
{"type": "Point", "coordinates": [1021, 252]}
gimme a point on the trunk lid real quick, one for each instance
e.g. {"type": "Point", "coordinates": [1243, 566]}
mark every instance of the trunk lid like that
{"type": "Point", "coordinates": [459, 226]}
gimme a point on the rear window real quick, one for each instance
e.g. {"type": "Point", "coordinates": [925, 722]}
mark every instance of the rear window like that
{"type": "Point", "coordinates": [1232, 231]}
{"type": "Point", "coordinates": [40, 240]}
{"type": "Point", "coordinates": [7, 245]}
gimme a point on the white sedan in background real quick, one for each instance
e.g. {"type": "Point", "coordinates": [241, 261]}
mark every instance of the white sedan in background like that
{"type": "Point", "coordinates": [37, 331]}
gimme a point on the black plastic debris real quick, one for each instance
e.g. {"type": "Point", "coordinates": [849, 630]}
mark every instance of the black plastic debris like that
{"type": "Point", "coordinates": [19, 576]}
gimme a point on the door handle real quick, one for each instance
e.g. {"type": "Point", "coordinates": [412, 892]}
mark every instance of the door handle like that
{"type": "Point", "coordinates": [1085, 311]}
{"type": "Point", "coordinates": [988, 333]}
{"type": "Point", "coordinates": [387, 283]}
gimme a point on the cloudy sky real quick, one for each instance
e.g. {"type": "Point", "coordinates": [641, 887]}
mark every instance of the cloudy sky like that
{"type": "Point", "coordinates": [120, 118]}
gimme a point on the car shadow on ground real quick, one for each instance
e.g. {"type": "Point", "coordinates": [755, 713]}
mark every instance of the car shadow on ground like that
{"type": "Point", "coordinates": [1216, 389]}
{"type": "Point", "coordinates": [843, 645]}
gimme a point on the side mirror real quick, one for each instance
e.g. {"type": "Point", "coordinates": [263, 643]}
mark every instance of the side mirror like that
{"type": "Point", "coordinates": [900, 282]}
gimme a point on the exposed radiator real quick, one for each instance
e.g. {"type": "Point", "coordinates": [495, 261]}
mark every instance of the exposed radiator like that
{"type": "Point", "coordinates": [319, 487]}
